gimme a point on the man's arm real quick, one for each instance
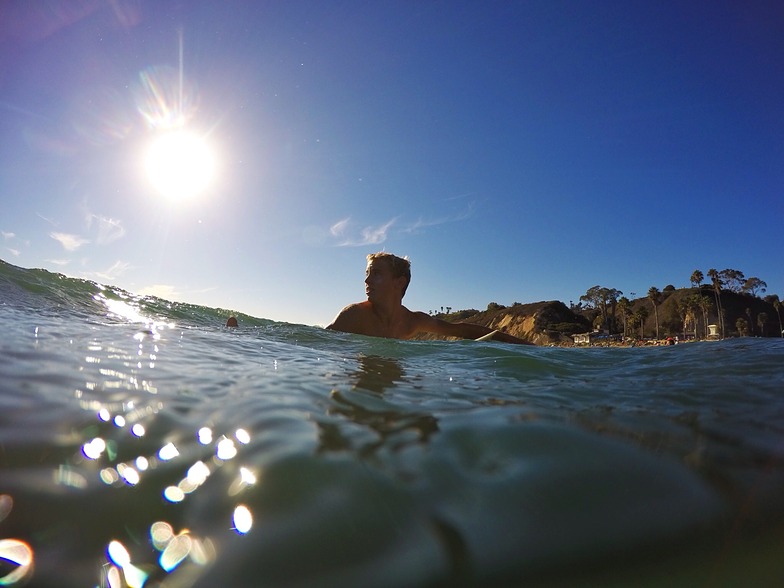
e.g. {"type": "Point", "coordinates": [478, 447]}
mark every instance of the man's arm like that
{"type": "Point", "coordinates": [430, 324]}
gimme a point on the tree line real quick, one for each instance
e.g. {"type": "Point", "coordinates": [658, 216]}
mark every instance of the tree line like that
{"type": "Point", "coordinates": [617, 314]}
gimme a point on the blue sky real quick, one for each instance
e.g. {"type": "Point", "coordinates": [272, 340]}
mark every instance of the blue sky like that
{"type": "Point", "coordinates": [515, 151]}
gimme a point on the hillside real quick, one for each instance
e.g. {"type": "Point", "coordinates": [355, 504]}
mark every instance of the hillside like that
{"type": "Point", "coordinates": [542, 323]}
{"type": "Point", "coordinates": [553, 323]}
{"type": "Point", "coordinates": [735, 306]}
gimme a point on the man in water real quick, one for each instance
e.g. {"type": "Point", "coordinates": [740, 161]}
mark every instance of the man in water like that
{"type": "Point", "coordinates": [383, 314]}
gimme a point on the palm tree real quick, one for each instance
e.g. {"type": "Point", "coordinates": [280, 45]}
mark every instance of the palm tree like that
{"type": "Point", "coordinates": [697, 278]}
{"type": "Point", "coordinates": [613, 294]}
{"type": "Point", "coordinates": [634, 322]}
{"type": "Point", "coordinates": [743, 327]}
{"type": "Point", "coordinates": [641, 314]}
{"type": "Point", "coordinates": [716, 280]}
{"type": "Point", "coordinates": [774, 300]}
{"type": "Point", "coordinates": [704, 305]}
{"type": "Point", "coordinates": [654, 296]}
{"type": "Point", "coordinates": [625, 306]}
{"type": "Point", "coordinates": [762, 318]}
{"type": "Point", "coordinates": [688, 312]}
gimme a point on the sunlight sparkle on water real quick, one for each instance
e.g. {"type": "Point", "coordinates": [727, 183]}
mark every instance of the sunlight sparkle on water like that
{"type": "Point", "coordinates": [118, 554]}
{"type": "Point", "coordinates": [129, 474]}
{"type": "Point", "coordinates": [196, 476]}
{"type": "Point", "coordinates": [109, 476]}
{"type": "Point", "coordinates": [226, 449]}
{"type": "Point", "coordinates": [134, 577]}
{"type": "Point", "coordinates": [174, 494]}
{"type": "Point", "coordinates": [161, 533]}
{"type": "Point", "coordinates": [205, 436]}
{"type": "Point", "coordinates": [168, 452]}
{"type": "Point", "coordinates": [94, 448]}
{"type": "Point", "coordinates": [176, 551]}
{"type": "Point", "coordinates": [121, 309]}
{"type": "Point", "coordinates": [243, 519]}
{"type": "Point", "coordinates": [247, 476]}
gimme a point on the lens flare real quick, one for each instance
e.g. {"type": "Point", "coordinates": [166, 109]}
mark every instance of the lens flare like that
{"type": "Point", "coordinates": [20, 555]}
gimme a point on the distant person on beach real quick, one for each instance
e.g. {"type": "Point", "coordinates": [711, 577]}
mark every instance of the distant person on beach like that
{"type": "Point", "coordinates": [383, 314]}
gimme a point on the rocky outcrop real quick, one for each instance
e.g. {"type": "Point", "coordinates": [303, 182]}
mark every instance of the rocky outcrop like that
{"type": "Point", "coordinates": [541, 323]}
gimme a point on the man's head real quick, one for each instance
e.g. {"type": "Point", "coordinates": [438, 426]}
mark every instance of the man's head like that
{"type": "Point", "coordinates": [400, 267]}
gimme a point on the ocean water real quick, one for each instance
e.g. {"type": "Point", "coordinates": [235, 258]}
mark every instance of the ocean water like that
{"type": "Point", "coordinates": [142, 443]}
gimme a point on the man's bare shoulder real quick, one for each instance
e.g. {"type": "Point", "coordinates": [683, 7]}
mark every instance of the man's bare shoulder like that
{"type": "Point", "coordinates": [349, 317]}
{"type": "Point", "coordinates": [355, 308]}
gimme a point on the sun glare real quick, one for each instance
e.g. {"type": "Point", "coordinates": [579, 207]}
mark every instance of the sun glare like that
{"type": "Point", "coordinates": [180, 165]}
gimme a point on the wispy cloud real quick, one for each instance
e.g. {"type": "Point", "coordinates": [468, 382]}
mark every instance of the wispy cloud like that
{"type": "Point", "coordinates": [8, 236]}
{"type": "Point", "coordinates": [339, 227]}
{"type": "Point", "coordinates": [13, 242]}
{"type": "Point", "coordinates": [423, 223]}
{"type": "Point", "coordinates": [68, 241]}
{"type": "Point", "coordinates": [59, 262]}
{"type": "Point", "coordinates": [47, 219]}
{"type": "Point", "coordinates": [370, 235]}
{"type": "Point", "coordinates": [112, 273]}
{"type": "Point", "coordinates": [109, 229]}
{"type": "Point", "coordinates": [165, 291]}
{"type": "Point", "coordinates": [348, 236]}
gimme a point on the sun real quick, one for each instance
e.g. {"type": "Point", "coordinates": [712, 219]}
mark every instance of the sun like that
{"type": "Point", "coordinates": [180, 165]}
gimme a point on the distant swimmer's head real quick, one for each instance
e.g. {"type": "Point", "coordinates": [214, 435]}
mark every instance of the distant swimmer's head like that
{"type": "Point", "coordinates": [399, 266]}
{"type": "Point", "coordinates": [232, 322]}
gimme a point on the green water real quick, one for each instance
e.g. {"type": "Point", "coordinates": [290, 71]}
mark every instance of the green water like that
{"type": "Point", "coordinates": [143, 442]}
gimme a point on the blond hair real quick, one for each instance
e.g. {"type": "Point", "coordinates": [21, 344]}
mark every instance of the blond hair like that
{"type": "Point", "coordinates": [400, 266]}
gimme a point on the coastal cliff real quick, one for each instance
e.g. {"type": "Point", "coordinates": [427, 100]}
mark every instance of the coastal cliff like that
{"type": "Point", "coordinates": [553, 323]}
{"type": "Point", "coordinates": [542, 323]}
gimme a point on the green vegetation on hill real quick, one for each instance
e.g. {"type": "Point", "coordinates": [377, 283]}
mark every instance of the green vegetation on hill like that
{"type": "Point", "coordinates": [731, 302]}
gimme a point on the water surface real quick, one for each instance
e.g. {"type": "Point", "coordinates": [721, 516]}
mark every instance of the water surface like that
{"type": "Point", "coordinates": [143, 442]}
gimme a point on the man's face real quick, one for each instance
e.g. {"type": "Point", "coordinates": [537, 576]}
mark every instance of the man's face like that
{"type": "Point", "coordinates": [381, 283]}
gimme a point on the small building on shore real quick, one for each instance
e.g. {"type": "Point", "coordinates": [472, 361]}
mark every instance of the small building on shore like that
{"type": "Point", "coordinates": [592, 337]}
{"type": "Point", "coordinates": [713, 332]}
{"type": "Point", "coordinates": [582, 338]}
